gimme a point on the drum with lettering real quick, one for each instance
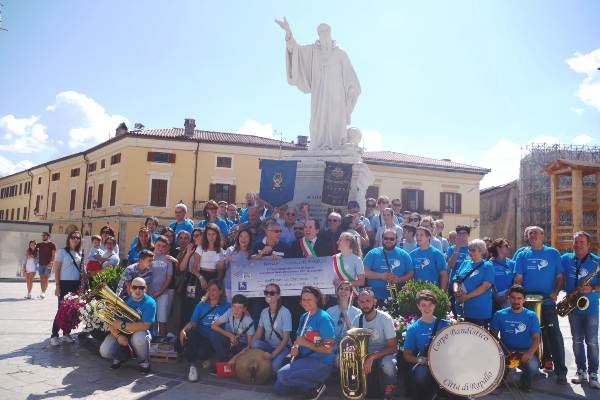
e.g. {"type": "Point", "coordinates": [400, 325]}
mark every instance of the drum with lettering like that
{"type": "Point", "coordinates": [466, 360]}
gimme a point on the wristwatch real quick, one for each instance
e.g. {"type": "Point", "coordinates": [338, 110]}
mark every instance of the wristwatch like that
{"type": "Point", "coordinates": [123, 325]}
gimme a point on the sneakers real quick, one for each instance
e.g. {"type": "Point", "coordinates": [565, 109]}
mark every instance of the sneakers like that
{"type": "Point", "coordinates": [561, 379]}
{"type": "Point", "coordinates": [594, 381]}
{"type": "Point", "coordinates": [54, 341]}
{"type": "Point", "coordinates": [579, 377]}
{"type": "Point", "coordinates": [67, 339]}
{"type": "Point", "coordinates": [28, 297]}
{"type": "Point", "coordinates": [144, 367]}
{"type": "Point", "coordinates": [116, 364]}
{"type": "Point", "coordinates": [193, 374]}
{"type": "Point", "coordinates": [42, 296]}
{"type": "Point", "coordinates": [316, 393]}
{"type": "Point", "coordinates": [389, 392]}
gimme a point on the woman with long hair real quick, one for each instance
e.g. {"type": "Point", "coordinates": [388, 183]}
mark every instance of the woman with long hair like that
{"type": "Point", "coordinates": [178, 283]}
{"type": "Point", "coordinates": [106, 232]}
{"type": "Point", "coordinates": [210, 213]}
{"type": "Point", "coordinates": [30, 265]}
{"type": "Point", "coordinates": [207, 265]}
{"type": "Point", "coordinates": [274, 328]}
{"type": "Point", "coordinates": [144, 242]}
{"type": "Point", "coordinates": [504, 273]}
{"type": "Point", "coordinates": [239, 252]}
{"type": "Point", "coordinates": [347, 264]}
{"type": "Point", "coordinates": [192, 290]}
{"type": "Point", "coordinates": [67, 272]}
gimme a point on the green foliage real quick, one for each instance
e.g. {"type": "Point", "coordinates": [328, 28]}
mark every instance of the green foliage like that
{"type": "Point", "coordinates": [407, 298]}
{"type": "Point", "coordinates": [111, 276]}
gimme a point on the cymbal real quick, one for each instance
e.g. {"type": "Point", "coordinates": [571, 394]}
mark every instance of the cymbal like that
{"type": "Point", "coordinates": [251, 368]}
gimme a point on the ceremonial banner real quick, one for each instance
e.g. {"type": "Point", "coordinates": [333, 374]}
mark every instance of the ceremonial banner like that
{"type": "Point", "coordinates": [291, 274]}
{"type": "Point", "coordinates": [277, 181]}
{"type": "Point", "coordinates": [336, 184]}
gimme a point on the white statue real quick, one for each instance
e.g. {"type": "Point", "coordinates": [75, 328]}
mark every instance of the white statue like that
{"type": "Point", "coordinates": [323, 70]}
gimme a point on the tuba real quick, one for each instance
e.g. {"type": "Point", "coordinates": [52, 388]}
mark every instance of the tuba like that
{"type": "Point", "coordinates": [112, 307]}
{"type": "Point", "coordinates": [352, 353]}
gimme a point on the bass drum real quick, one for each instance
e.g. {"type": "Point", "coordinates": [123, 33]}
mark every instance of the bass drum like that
{"type": "Point", "coordinates": [466, 360]}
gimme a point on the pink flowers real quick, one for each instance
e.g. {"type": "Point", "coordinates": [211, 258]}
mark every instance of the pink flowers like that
{"type": "Point", "coordinates": [68, 316]}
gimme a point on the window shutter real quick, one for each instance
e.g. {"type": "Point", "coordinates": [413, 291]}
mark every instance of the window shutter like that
{"type": "Point", "coordinates": [404, 198]}
{"type": "Point", "coordinates": [113, 193]}
{"type": "Point", "coordinates": [53, 205]}
{"type": "Point", "coordinates": [24, 213]}
{"type": "Point", "coordinates": [212, 191]}
{"type": "Point", "coordinates": [372, 191]}
{"type": "Point", "coordinates": [72, 203]}
{"type": "Point", "coordinates": [458, 203]}
{"type": "Point", "coordinates": [100, 195]}
{"type": "Point", "coordinates": [162, 193]}
{"type": "Point", "coordinates": [231, 194]}
{"type": "Point", "coordinates": [420, 200]}
{"type": "Point", "coordinates": [443, 202]}
{"type": "Point", "coordinates": [90, 193]}
{"type": "Point", "coordinates": [37, 204]}
{"type": "Point", "coordinates": [172, 158]}
{"type": "Point", "coordinates": [150, 156]}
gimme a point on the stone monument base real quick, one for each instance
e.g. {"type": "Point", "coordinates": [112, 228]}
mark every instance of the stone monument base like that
{"type": "Point", "coordinates": [310, 174]}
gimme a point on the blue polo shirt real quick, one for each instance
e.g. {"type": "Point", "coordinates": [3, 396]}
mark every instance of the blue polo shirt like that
{"type": "Point", "coordinates": [203, 310]}
{"type": "Point", "coordinates": [539, 269]}
{"type": "Point", "coordinates": [146, 307]}
{"type": "Point", "coordinates": [186, 225]}
{"type": "Point", "coordinates": [479, 307]}
{"type": "Point", "coordinates": [219, 222]}
{"type": "Point", "coordinates": [504, 272]}
{"type": "Point", "coordinates": [516, 329]}
{"type": "Point", "coordinates": [587, 267]}
{"type": "Point", "coordinates": [322, 325]}
{"type": "Point", "coordinates": [428, 264]}
{"type": "Point", "coordinates": [418, 335]}
{"type": "Point", "coordinates": [399, 263]}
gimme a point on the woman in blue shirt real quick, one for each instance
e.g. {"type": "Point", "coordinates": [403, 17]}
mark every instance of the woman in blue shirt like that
{"type": "Point", "coordinates": [210, 211]}
{"type": "Point", "coordinates": [312, 352]}
{"type": "Point", "coordinates": [504, 272]}
{"type": "Point", "coordinates": [143, 242]}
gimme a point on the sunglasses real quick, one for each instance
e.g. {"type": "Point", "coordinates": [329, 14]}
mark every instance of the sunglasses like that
{"type": "Point", "coordinates": [135, 287]}
{"type": "Point", "coordinates": [370, 205]}
{"type": "Point", "coordinates": [396, 205]}
{"type": "Point", "coordinates": [333, 220]}
{"type": "Point", "coordinates": [299, 228]}
{"type": "Point", "coordinates": [270, 293]}
{"type": "Point", "coordinates": [275, 230]}
{"type": "Point", "coordinates": [75, 237]}
{"type": "Point", "coordinates": [389, 238]}
{"type": "Point", "coordinates": [291, 214]}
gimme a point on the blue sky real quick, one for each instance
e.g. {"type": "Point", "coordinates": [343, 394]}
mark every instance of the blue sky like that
{"type": "Point", "coordinates": [472, 81]}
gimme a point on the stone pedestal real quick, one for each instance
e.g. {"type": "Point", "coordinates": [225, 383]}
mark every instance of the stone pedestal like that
{"type": "Point", "coordinates": [310, 175]}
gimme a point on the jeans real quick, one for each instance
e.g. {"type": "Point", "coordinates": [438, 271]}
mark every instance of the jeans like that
{"type": "Point", "coordinates": [585, 327]}
{"type": "Point", "coordinates": [303, 374]}
{"type": "Point", "coordinates": [278, 360]}
{"type": "Point", "coordinates": [198, 347]}
{"type": "Point", "coordinates": [222, 346]}
{"type": "Point", "coordinates": [528, 371]}
{"type": "Point", "coordinates": [139, 341]}
{"type": "Point", "coordinates": [555, 339]}
{"type": "Point", "coordinates": [426, 387]}
{"type": "Point", "coordinates": [389, 372]}
{"type": "Point", "coordinates": [65, 288]}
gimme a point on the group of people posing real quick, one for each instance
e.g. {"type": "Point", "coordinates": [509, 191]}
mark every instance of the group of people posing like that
{"type": "Point", "coordinates": [179, 282]}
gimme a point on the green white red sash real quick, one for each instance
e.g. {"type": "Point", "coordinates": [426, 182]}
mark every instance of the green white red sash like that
{"type": "Point", "coordinates": [339, 268]}
{"type": "Point", "coordinates": [307, 248]}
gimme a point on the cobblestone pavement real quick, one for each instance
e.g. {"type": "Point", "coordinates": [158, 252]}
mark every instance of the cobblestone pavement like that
{"type": "Point", "coordinates": [31, 369]}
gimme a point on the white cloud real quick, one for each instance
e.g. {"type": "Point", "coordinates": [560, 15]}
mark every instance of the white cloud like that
{"type": "Point", "coordinates": [589, 90]}
{"type": "Point", "coordinates": [582, 139]}
{"type": "Point", "coordinates": [503, 159]}
{"type": "Point", "coordinates": [577, 111]}
{"type": "Point", "coordinates": [372, 140]}
{"type": "Point", "coordinates": [252, 127]}
{"type": "Point", "coordinates": [7, 167]}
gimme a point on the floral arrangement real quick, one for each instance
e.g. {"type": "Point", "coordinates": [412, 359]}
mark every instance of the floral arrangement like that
{"type": "Point", "coordinates": [69, 316]}
{"type": "Point", "coordinates": [407, 299]}
{"type": "Point", "coordinates": [401, 324]}
{"type": "Point", "coordinates": [89, 316]}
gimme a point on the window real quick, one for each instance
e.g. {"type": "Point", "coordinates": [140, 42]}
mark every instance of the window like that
{"type": "Point", "coordinates": [450, 202]}
{"type": "Point", "coordinates": [412, 199]}
{"type": "Point", "coordinates": [224, 162]}
{"type": "Point", "coordinates": [159, 157]}
{"type": "Point", "coordinates": [90, 193]}
{"type": "Point", "coordinates": [116, 158]}
{"type": "Point", "coordinates": [20, 189]}
{"type": "Point", "coordinates": [1, 214]}
{"type": "Point", "coordinates": [102, 163]}
{"type": "Point", "coordinates": [75, 172]}
{"type": "Point", "coordinates": [53, 202]}
{"type": "Point", "coordinates": [39, 180]}
{"type": "Point", "coordinates": [92, 167]}
{"type": "Point", "coordinates": [18, 214]}
{"type": "Point", "coordinates": [221, 191]}
{"type": "Point", "coordinates": [55, 176]}
{"type": "Point", "coordinates": [99, 195]}
{"type": "Point", "coordinates": [113, 193]}
{"type": "Point", "coordinates": [24, 213]}
{"type": "Point", "coordinates": [12, 213]}
{"type": "Point", "coordinates": [372, 191]}
{"type": "Point", "coordinates": [158, 193]}
{"type": "Point", "coordinates": [72, 202]}
{"type": "Point", "coordinates": [37, 204]}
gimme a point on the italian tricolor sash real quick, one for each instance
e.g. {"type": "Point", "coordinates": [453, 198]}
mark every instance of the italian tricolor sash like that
{"type": "Point", "coordinates": [307, 248]}
{"type": "Point", "coordinates": [340, 270]}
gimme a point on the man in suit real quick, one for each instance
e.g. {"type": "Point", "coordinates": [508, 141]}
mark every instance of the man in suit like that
{"type": "Point", "coordinates": [311, 245]}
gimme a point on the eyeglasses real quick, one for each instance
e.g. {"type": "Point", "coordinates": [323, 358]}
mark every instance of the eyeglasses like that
{"type": "Point", "coordinates": [389, 238]}
{"type": "Point", "coordinates": [212, 209]}
{"type": "Point", "coordinates": [396, 205]}
{"type": "Point", "coordinates": [270, 293]}
{"type": "Point", "coordinates": [298, 228]}
{"type": "Point", "coordinates": [135, 287]}
{"type": "Point", "coordinates": [370, 205]}
{"type": "Point", "coordinates": [333, 220]}
{"type": "Point", "coordinates": [75, 237]}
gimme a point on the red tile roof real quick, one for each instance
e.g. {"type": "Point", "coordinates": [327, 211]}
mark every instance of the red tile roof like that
{"type": "Point", "coordinates": [410, 161]}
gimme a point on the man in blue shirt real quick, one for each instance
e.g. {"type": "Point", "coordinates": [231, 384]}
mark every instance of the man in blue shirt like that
{"type": "Point", "coordinates": [250, 202]}
{"type": "Point", "coordinates": [539, 269]}
{"type": "Point", "coordinates": [584, 323]}
{"type": "Point", "coordinates": [181, 223]}
{"type": "Point", "coordinates": [115, 346]}
{"type": "Point", "coordinates": [387, 264]}
{"type": "Point", "coordinates": [460, 251]}
{"type": "Point", "coordinates": [519, 330]}
{"type": "Point", "coordinates": [429, 262]}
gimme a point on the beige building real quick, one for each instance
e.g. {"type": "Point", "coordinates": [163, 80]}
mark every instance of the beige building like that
{"type": "Point", "coordinates": [146, 172]}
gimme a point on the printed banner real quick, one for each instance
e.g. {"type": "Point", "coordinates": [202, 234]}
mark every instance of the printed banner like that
{"type": "Point", "coordinates": [277, 181]}
{"type": "Point", "coordinates": [291, 274]}
{"type": "Point", "coordinates": [336, 184]}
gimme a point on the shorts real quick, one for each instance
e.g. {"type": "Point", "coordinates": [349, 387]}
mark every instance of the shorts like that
{"type": "Point", "coordinates": [45, 270]}
{"type": "Point", "coordinates": [162, 308]}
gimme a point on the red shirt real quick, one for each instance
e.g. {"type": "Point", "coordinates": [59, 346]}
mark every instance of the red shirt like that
{"type": "Point", "coordinates": [45, 250]}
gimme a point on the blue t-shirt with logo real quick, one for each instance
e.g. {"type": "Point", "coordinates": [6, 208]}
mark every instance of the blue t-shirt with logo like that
{"type": "Point", "coordinates": [223, 227]}
{"type": "Point", "coordinates": [479, 307]}
{"type": "Point", "coordinates": [146, 307]}
{"type": "Point", "coordinates": [322, 325]}
{"type": "Point", "coordinates": [519, 250]}
{"type": "Point", "coordinates": [186, 225]}
{"type": "Point", "coordinates": [463, 255]}
{"type": "Point", "coordinates": [428, 264]}
{"type": "Point", "coordinates": [516, 329]}
{"type": "Point", "coordinates": [399, 263]}
{"type": "Point", "coordinates": [539, 269]}
{"type": "Point", "coordinates": [203, 310]}
{"type": "Point", "coordinates": [587, 267]}
{"type": "Point", "coordinates": [504, 272]}
{"type": "Point", "coordinates": [418, 335]}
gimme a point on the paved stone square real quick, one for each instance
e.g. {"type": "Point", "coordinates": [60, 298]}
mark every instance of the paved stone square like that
{"type": "Point", "coordinates": [31, 369]}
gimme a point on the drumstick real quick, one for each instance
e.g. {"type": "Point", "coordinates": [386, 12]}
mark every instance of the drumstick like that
{"type": "Point", "coordinates": [301, 332]}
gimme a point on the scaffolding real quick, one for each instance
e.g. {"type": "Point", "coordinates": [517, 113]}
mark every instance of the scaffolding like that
{"type": "Point", "coordinates": [534, 183]}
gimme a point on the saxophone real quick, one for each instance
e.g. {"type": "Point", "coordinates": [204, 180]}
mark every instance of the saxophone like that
{"type": "Point", "coordinates": [575, 299]}
{"type": "Point", "coordinates": [352, 355]}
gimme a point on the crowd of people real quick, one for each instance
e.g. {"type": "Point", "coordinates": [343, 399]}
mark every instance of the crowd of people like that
{"type": "Point", "coordinates": [179, 280]}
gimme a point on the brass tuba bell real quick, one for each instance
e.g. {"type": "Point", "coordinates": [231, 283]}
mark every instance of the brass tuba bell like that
{"type": "Point", "coordinates": [112, 307]}
{"type": "Point", "coordinates": [352, 355]}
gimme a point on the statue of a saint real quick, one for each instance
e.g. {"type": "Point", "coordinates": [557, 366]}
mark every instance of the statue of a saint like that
{"type": "Point", "coordinates": [323, 70]}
